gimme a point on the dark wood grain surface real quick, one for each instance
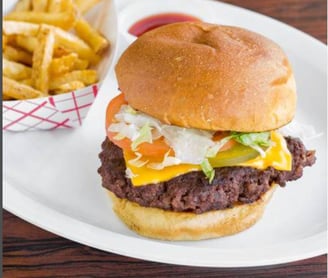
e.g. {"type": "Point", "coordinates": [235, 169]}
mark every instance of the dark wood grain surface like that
{"type": "Point", "coordinates": [29, 251]}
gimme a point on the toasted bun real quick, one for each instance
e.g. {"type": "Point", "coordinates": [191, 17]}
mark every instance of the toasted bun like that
{"type": "Point", "coordinates": [168, 225]}
{"type": "Point", "coordinates": [209, 77]}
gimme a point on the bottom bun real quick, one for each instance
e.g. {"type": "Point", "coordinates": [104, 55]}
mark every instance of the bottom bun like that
{"type": "Point", "coordinates": [170, 225]}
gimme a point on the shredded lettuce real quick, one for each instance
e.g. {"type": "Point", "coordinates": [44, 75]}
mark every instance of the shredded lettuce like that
{"type": "Point", "coordinates": [167, 161]}
{"type": "Point", "coordinates": [130, 116]}
{"type": "Point", "coordinates": [124, 130]}
{"type": "Point", "coordinates": [208, 169]}
{"type": "Point", "coordinates": [129, 174]}
{"type": "Point", "coordinates": [129, 123]}
{"type": "Point", "coordinates": [119, 136]}
{"type": "Point", "coordinates": [130, 110]}
{"type": "Point", "coordinates": [137, 162]}
{"type": "Point", "coordinates": [255, 140]}
{"type": "Point", "coordinates": [190, 145]}
{"type": "Point", "coordinates": [143, 136]}
{"type": "Point", "coordinates": [212, 151]}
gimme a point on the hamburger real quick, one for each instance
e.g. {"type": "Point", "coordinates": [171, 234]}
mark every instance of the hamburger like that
{"type": "Point", "coordinates": [193, 148]}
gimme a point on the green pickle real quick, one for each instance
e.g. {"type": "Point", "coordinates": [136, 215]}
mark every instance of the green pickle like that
{"type": "Point", "coordinates": [233, 156]}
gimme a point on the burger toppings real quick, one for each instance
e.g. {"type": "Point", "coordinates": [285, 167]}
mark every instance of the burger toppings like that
{"type": "Point", "coordinates": [254, 140]}
{"type": "Point", "coordinates": [144, 140]}
{"type": "Point", "coordinates": [207, 169]}
{"type": "Point", "coordinates": [192, 191]}
{"type": "Point", "coordinates": [277, 155]}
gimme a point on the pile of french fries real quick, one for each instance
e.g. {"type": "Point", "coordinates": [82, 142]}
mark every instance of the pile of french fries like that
{"type": "Point", "coordinates": [49, 48]}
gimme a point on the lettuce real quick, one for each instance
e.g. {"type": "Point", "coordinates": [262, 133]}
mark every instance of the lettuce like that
{"type": "Point", "coordinates": [189, 144]}
{"type": "Point", "coordinates": [208, 170]}
{"type": "Point", "coordinates": [255, 140]}
{"type": "Point", "coordinates": [123, 130]}
{"type": "Point", "coordinates": [129, 174]}
{"type": "Point", "coordinates": [212, 151]}
{"type": "Point", "coordinates": [137, 162]}
{"type": "Point", "coordinates": [167, 161]}
{"type": "Point", "coordinates": [143, 136]}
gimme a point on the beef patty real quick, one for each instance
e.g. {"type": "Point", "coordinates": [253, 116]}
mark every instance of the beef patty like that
{"type": "Point", "coordinates": [192, 192]}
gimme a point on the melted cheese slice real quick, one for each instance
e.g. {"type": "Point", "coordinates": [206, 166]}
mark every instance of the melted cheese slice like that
{"type": "Point", "coordinates": [276, 156]}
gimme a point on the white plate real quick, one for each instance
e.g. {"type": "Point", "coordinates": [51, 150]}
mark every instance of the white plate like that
{"type": "Point", "coordinates": [51, 180]}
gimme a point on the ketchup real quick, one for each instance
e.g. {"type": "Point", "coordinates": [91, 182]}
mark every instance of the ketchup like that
{"type": "Point", "coordinates": [151, 22]}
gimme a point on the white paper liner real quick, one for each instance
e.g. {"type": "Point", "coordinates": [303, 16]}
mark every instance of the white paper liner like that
{"type": "Point", "coordinates": [61, 111]}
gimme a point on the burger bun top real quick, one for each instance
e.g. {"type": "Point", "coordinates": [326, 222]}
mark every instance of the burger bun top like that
{"type": "Point", "coordinates": [206, 76]}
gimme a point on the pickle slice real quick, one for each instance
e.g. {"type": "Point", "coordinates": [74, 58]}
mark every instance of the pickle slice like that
{"type": "Point", "coordinates": [233, 156]}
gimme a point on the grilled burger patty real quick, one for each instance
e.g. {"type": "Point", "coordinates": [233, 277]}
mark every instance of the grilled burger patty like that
{"type": "Point", "coordinates": [192, 192]}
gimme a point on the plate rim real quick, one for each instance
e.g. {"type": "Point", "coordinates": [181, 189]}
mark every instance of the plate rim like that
{"type": "Point", "coordinates": [121, 5]}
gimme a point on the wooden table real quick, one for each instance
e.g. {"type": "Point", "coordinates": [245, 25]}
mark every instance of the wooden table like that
{"type": "Point", "coordinates": [29, 251]}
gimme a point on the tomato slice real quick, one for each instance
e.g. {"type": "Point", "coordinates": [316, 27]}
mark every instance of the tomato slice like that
{"type": "Point", "coordinates": [157, 148]}
{"type": "Point", "coordinates": [113, 108]}
{"type": "Point", "coordinates": [222, 134]}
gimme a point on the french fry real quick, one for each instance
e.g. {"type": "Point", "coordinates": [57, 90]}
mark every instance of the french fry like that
{"type": "Point", "coordinates": [16, 90]}
{"type": "Point", "coordinates": [5, 97]}
{"type": "Point", "coordinates": [4, 42]}
{"type": "Point", "coordinates": [10, 40]}
{"type": "Point", "coordinates": [68, 5]}
{"type": "Point", "coordinates": [17, 55]}
{"type": "Point", "coordinates": [64, 20]}
{"type": "Point", "coordinates": [54, 6]}
{"type": "Point", "coordinates": [23, 6]}
{"type": "Point", "coordinates": [67, 63]}
{"type": "Point", "coordinates": [85, 5]}
{"type": "Point", "coordinates": [60, 52]}
{"type": "Point", "coordinates": [62, 65]}
{"type": "Point", "coordinates": [57, 6]}
{"type": "Point", "coordinates": [75, 44]}
{"type": "Point", "coordinates": [39, 5]}
{"type": "Point", "coordinates": [69, 87]}
{"type": "Point", "coordinates": [81, 64]}
{"type": "Point", "coordinates": [28, 82]}
{"type": "Point", "coordinates": [42, 57]}
{"type": "Point", "coordinates": [97, 42]}
{"type": "Point", "coordinates": [15, 70]}
{"type": "Point", "coordinates": [11, 27]}
{"type": "Point", "coordinates": [27, 43]}
{"type": "Point", "coordinates": [86, 76]}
